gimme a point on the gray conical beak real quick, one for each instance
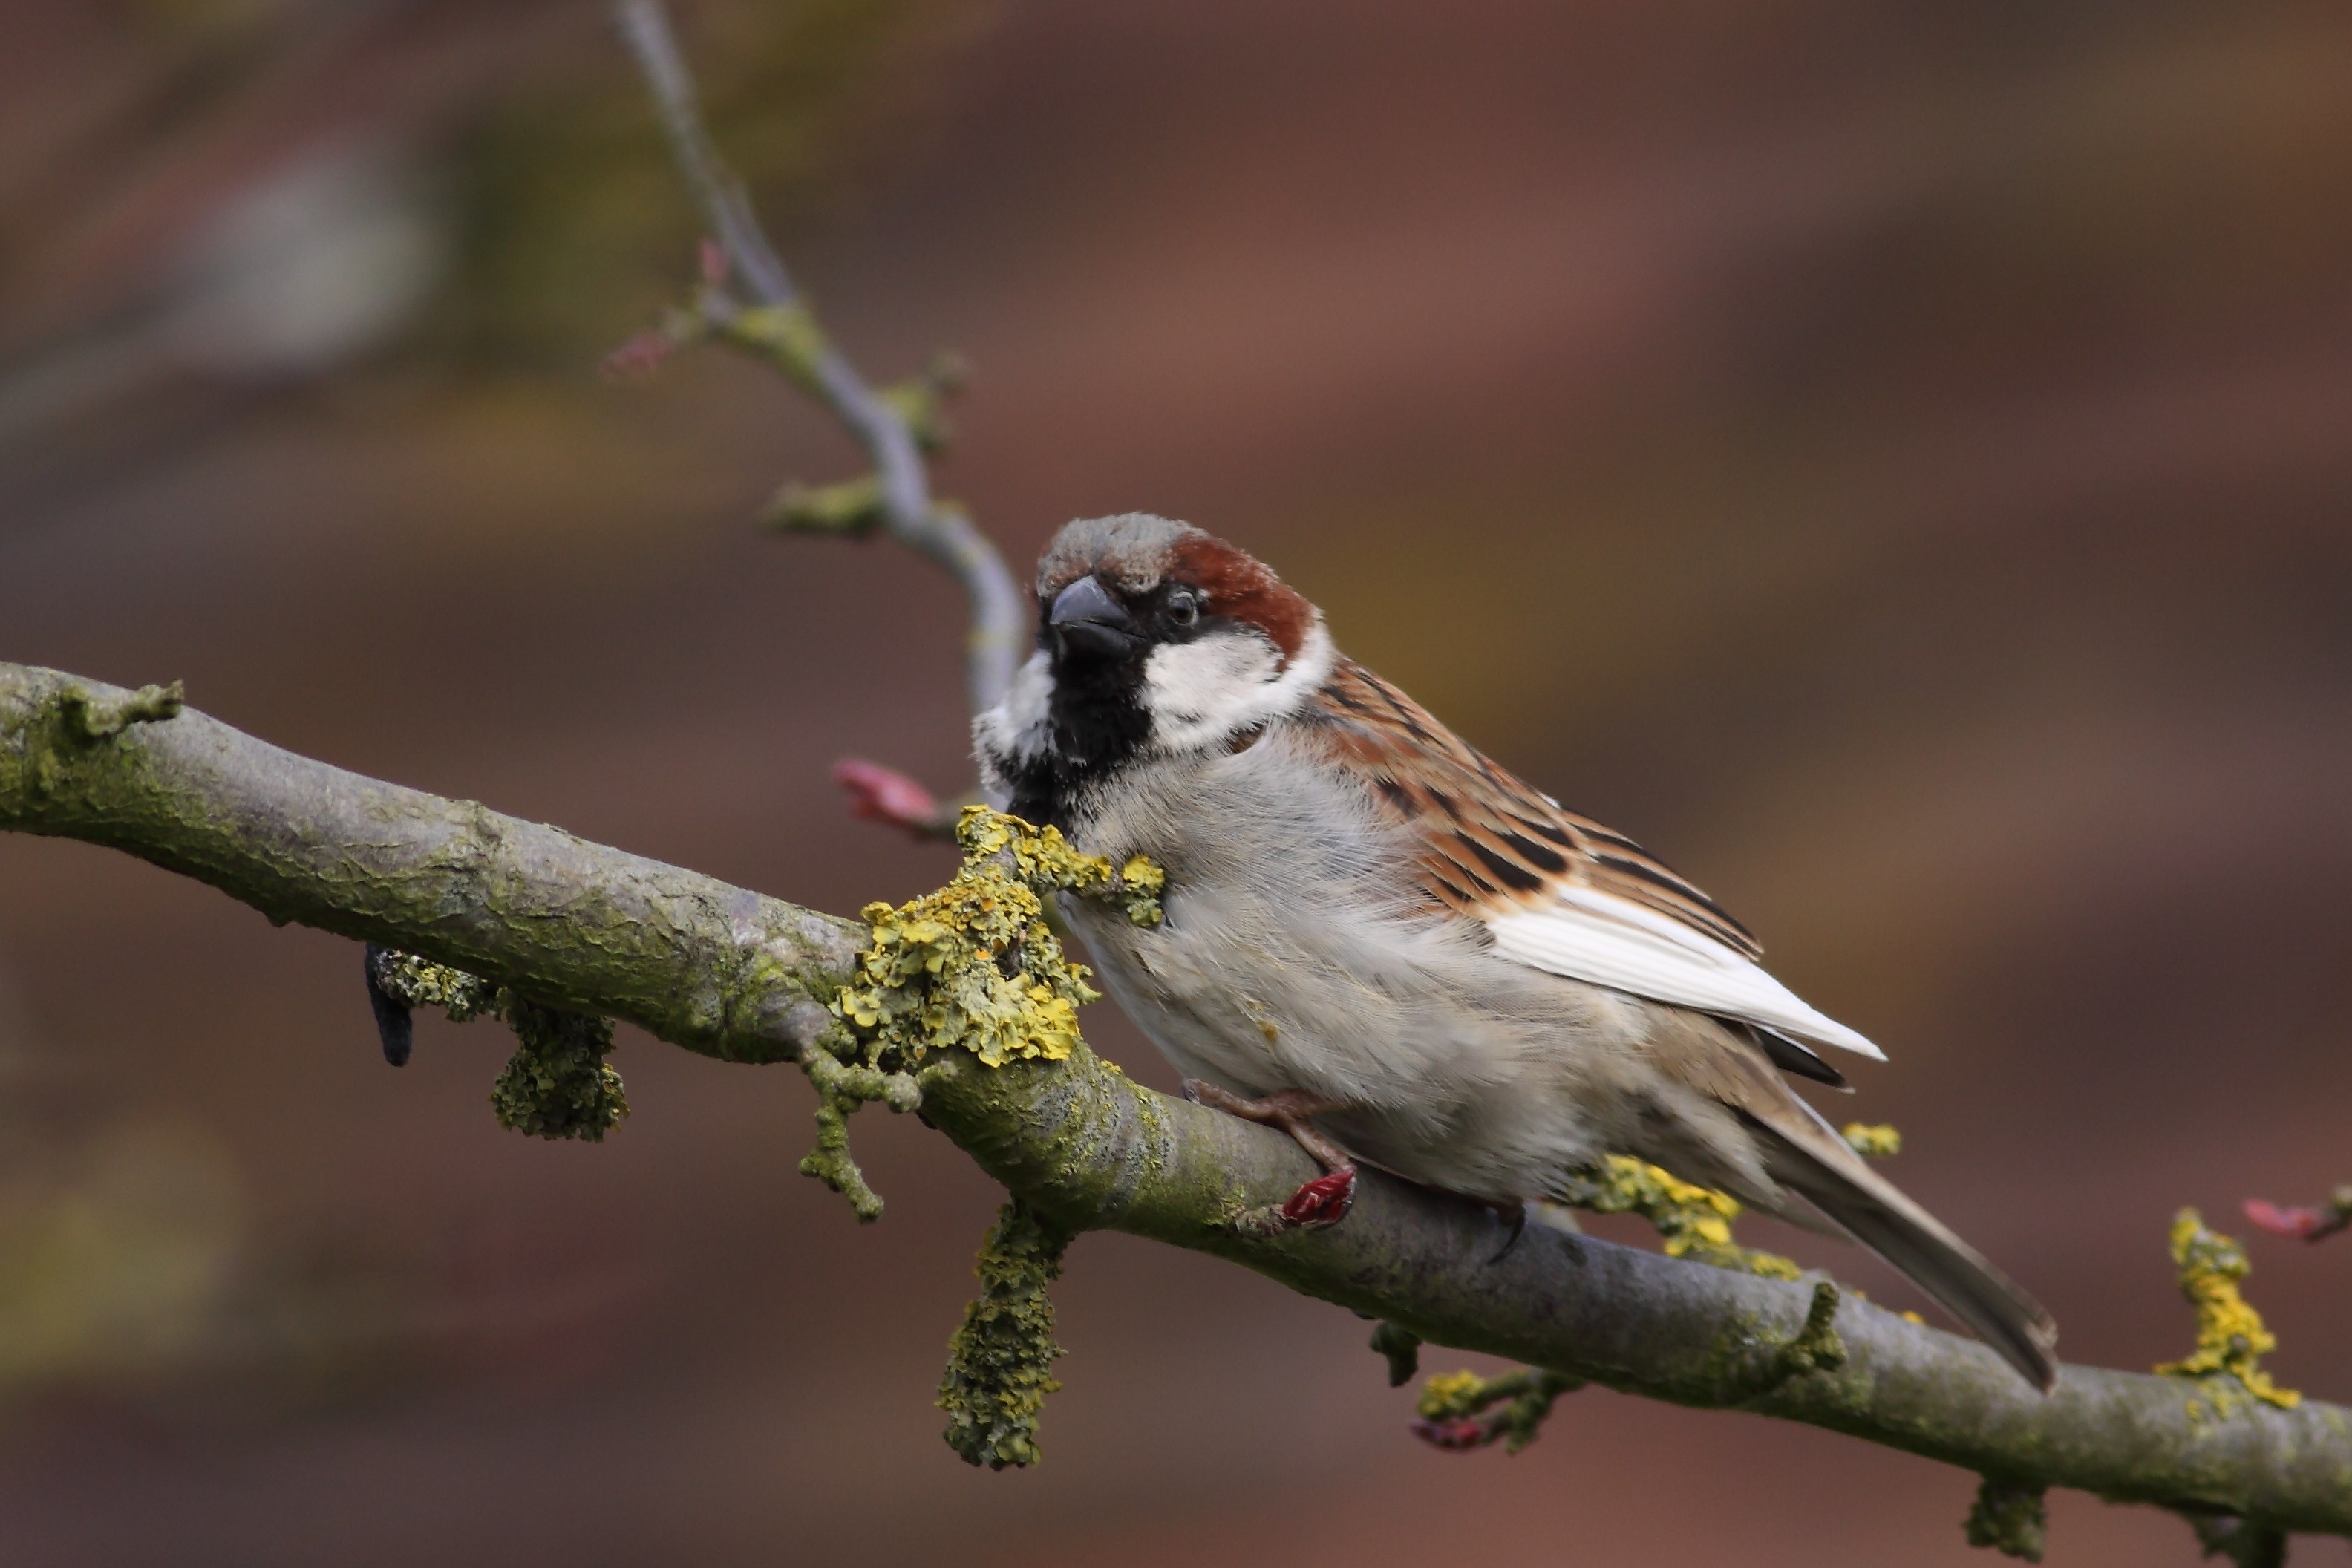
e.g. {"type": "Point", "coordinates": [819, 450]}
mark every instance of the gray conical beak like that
{"type": "Point", "coordinates": [1088, 623]}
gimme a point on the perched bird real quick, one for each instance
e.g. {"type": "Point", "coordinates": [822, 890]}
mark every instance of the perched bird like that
{"type": "Point", "coordinates": [1385, 943]}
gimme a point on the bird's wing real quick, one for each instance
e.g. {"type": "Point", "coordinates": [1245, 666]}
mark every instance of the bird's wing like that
{"type": "Point", "coordinates": [1556, 891]}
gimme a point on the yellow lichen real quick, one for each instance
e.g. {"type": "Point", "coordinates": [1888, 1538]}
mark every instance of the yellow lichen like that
{"type": "Point", "coordinates": [1876, 1140]}
{"type": "Point", "coordinates": [2230, 1338]}
{"type": "Point", "coordinates": [1458, 1409]}
{"type": "Point", "coordinates": [1000, 1361]}
{"type": "Point", "coordinates": [1695, 1221]}
{"type": "Point", "coordinates": [973, 967]}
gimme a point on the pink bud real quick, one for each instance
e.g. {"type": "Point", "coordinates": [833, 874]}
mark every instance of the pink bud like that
{"type": "Point", "coordinates": [1457, 1435]}
{"type": "Point", "coordinates": [2300, 1223]}
{"type": "Point", "coordinates": [639, 355]}
{"type": "Point", "coordinates": [885, 795]}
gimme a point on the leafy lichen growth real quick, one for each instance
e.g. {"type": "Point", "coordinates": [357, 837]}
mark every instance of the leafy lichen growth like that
{"type": "Point", "coordinates": [2230, 1338]}
{"type": "Point", "coordinates": [2012, 1519]}
{"type": "Point", "coordinates": [1000, 1361]}
{"type": "Point", "coordinates": [972, 967]}
{"type": "Point", "coordinates": [557, 1084]}
{"type": "Point", "coordinates": [1695, 1221]}
{"type": "Point", "coordinates": [1872, 1141]}
{"type": "Point", "coordinates": [1463, 1410]}
{"type": "Point", "coordinates": [413, 982]}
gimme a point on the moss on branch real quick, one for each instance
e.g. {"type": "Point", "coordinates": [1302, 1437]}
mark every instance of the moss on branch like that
{"type": "Point", "coordinates": [747, 978]}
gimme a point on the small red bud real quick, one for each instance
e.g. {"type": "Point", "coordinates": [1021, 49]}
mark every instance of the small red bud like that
{"type": "Point", "coordinates": [2300, 1223]}
{"type": "Point", "coordinates": [639, 355]}
{"type": "Point", "coordinates": [885, 795]}
{"type": "Point", "coordinates": [1323, 1201]}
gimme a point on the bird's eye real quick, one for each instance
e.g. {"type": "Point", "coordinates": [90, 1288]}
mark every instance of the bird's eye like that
{"type": "Point", "coordinates": [1183, 606]}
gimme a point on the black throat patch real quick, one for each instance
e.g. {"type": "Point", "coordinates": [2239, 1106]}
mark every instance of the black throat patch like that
{"type": "Point", "coordinates": [1097, 724]}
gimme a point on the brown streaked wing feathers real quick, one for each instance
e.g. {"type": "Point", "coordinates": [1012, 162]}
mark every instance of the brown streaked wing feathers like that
{"type": "Point", "coordinates": [1489, 839]}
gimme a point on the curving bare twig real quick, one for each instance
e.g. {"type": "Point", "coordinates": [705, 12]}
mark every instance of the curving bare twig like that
{"type": "Point", "coordinates": [943, 533]}
{"type": "Point", "coordinates": [743, 977]}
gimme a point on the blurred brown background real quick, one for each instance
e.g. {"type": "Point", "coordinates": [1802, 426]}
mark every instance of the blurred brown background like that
{"type": "Point", "coordinates": [1895, 460]}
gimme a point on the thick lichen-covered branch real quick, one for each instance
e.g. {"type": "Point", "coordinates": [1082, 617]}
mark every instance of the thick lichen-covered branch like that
{"type": "Point", "coordinates": [565, 922]}
{"type": "Point", "coordinates": [742, 977]}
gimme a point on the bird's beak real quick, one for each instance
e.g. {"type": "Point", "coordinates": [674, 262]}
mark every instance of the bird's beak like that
{"type": "Point", "coordinates": [1088, 623]}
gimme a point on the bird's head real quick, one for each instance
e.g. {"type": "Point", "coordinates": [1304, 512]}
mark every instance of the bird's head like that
{"type": "Point", "coordinates": [1153, 638]}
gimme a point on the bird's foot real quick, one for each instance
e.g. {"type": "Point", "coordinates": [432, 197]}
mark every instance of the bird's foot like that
{"type": "Point", "coordinates": [1325, 1201]}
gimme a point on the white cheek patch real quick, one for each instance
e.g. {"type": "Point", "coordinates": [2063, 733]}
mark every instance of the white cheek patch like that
{"type": "Point", "coordinates": [1015, 729]}
{"type": "Point", "coordinates": [1204, 693]}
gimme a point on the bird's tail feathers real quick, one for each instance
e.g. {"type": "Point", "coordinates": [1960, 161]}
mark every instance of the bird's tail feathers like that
{"type": "Point", "coordinates": [1869, 1209]}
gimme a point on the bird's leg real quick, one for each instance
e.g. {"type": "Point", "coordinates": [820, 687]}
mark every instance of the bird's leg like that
{"type": "Point", "coordinates": [1326, 1199]}
{"type": "Point", "coordinates": [1290, 1110]}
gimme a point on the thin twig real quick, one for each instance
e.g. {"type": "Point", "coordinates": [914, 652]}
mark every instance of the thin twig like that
{"type": "Point", "coordinates": [944, 534]}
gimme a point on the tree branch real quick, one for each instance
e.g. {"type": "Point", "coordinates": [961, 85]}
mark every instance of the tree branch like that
{"type": "Point", "coordinates": [743, 977]}
{"type": "Point", "coordinates": [944, 534]}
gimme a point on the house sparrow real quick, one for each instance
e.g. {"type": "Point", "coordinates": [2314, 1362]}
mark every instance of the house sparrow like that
{"type": "Point", "coordinates": [1381, 941]}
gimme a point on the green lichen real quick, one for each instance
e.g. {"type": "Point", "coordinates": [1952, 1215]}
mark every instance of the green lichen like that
{"type": "Point", "coordinates": [851, 507]}
{"type": "Point", "coordinates": [1403, 1349]}
{"type": "Point", "coordinates": [557, 1084]}
{"type": "Point", "coordinates": [91, 716]}
{"type": "Point", "coordinates": [1001, 1360]}
{"type": "Point", "coordinates": [1818, 1346]}
{"type": "Point", "coordinates": [2012, 1519]}
{"type": "Point", "coordinates": [1877, 1140]}
{"type": "Point", "coordinates": [1463, 1410]}
{"type": "Point", "coordinates": [2230, 1338]}
{"type": "Point", "coordinates": [1748, 1359]}
{"type": "Point", "coordinates": [921, 400]}
{"type": "Point", "coordinates": [786, 336]}
{"type": "Point", "coordinates": [1695, 1221]}
{"type": "Point", "coordinates": [972, 967]}
{"type": "Point", "coordinates": [413, 982]}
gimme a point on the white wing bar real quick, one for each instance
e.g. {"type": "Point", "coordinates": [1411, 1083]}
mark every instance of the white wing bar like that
{"type": "Point", "coordinates": [1614, 941]}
